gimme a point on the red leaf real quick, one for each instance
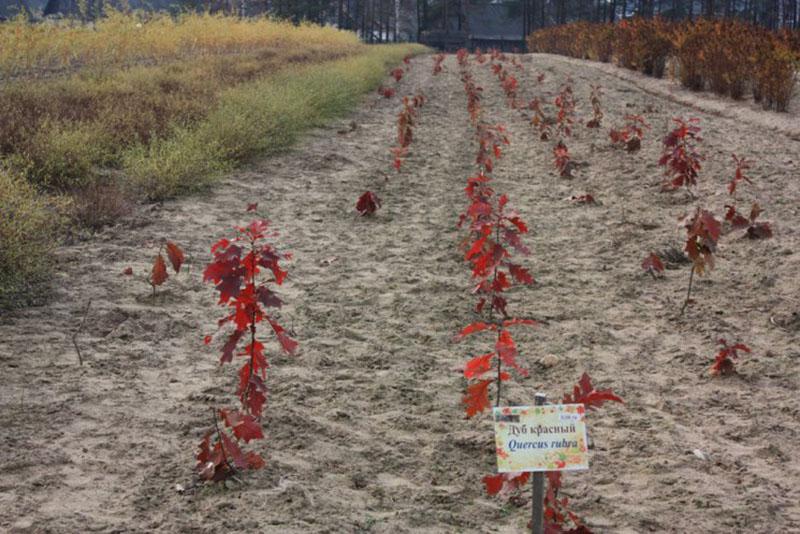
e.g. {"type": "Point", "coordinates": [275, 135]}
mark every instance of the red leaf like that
{"type": "Point", "coordinates": [386, 92]}
{"type": "Point", "coordinates": [724, 361]}
{"type": "Point", "coordinates": [256, 401]}
{"type": "Point", "coordinates": [736, 219]}
{"type": "Point", "coordinates": [288, 344]}
{"type": "Point", "coordinates": [476, 247]}
{"type": "Point", "coordinates": [653, 264]}
{"type": "Point", "coordinates": [252, 207]}
{"type": "Point", "coordinates": [221, 244]}
{"type": "Point", "coordinates": [710, 224]}
{"type": "Point", "coordinates": [368, 203]}
{"type": "Point", "coordinates": [761, 230]}
{"type": "Point", "coordinates": [128, 271]}
{"type": "Point", "coordinates": [242, 317]}
{"type": "Point", "coordinates": [494, 483]}
{"type": "Point", "coordinates": [584, 393]}
{"type": "Point", "coordinates": [233, 451]}
{"type": "Point", "coordinates": [268, 298]}
{"type": "Point", "coordinates": [520, 274]}
{"type": "Point", "coordinates": [226, 271]}
{"type": "Point", "coordinates": [478, 209]}
{"type": "Point", "coordinates": [159, 274]}
{"type": "Point", "coordinates": [474, 327]}
{"type": "Point", "coordinates": [477, 398]}
{"type": "Point", "coordinates": [505, 482]}
{"type": "Point", "coordinates": [515, 322]}
{"type": "Point", "coordinates": [230, 346]}
{"type": "Point", "coordinates": [244, 426]}
{"type": "Point", "coordinates": [204, 454]}
{"type": "Point", "coordinates": [210, 464]}
{"type": "Point", "coordinates": [175, 255]}
{"type": "Point", "coordinates": [254, 461]}
{"type": "Point", "coordinates": [478, 365]}
{"type": "Point", "coordinates": [507, 351]}
{"type": "Point", "coordinates": [516, 221]}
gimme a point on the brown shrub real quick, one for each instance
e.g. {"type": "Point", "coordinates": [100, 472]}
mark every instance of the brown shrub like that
{"type": "Point", "coordinates": [727, 56]}
{"type": "Point", "coordinates": [101, 202]}
{"type": "Point", "coordinates": [775, 75]}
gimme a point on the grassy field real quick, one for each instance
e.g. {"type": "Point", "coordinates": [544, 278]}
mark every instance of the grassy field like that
{"type": "Point", "coordinates": [119, 40]}
{"type": "Point", "coordinates": [96, 118]}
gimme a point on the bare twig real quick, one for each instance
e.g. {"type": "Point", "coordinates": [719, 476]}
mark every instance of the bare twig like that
{"type": "Point", "coordinates": [78, 331]}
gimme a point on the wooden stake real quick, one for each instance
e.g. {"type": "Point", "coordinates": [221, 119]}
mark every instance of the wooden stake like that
{"type": "Point", "coordinates": [78, 331]}
{"type": "Point", "coordinates": [537, 519]}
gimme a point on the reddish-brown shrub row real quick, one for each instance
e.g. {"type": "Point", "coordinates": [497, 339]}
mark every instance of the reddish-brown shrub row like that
{"type": "Point", "coordinates": [728, 57]}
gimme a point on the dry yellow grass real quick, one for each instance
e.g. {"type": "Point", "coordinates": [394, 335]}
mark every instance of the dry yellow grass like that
{"type": "Point", "coordinates": [80, 94]}
{"type": "Point", "coordinates": [129, 108]}
{"type": "Point", "coordinates": [120, 39]}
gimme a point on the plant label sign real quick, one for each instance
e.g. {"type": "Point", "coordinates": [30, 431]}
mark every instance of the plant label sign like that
{"type": "Point", "coordinates": [541, 438]}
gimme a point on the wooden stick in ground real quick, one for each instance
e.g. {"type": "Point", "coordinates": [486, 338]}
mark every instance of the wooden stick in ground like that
{"type": "Point", "coordinates": [688, 291]}
{"type": "Point", "coordinates": [537, 519]}
{"type": "Point", "coordinates": [78, 331]}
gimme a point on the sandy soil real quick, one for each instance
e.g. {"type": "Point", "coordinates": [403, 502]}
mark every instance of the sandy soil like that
{"type": "Point", "coordinates": [365, 430]}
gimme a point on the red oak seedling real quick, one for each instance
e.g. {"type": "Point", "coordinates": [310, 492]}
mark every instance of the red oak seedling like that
{"type": "Point", "coordinates": [653, 265]}
{"type": "Point", "coordinates": [597, 112]}
{"type": "Point", "coordinates": [630, 136]}
{"type": "Point", "coordinates": [438, 59]}
{"type": "Point", "coordinates": [755, 229]}
{"type": "Point", "coordinates": [237, 271]}
{"type": "Point", "coordinates": [742, 165]}
{"type": "Point", "coordinates": [387, 92]}
{"type": "Point", "coordinates": [680, 156]}
{"type": "Point", "coordinates": [368, 203]}
{"type": "Point", "coordinates": [724, 362]}
{"type": "Point", "coordinates": [562, 160]}
{"type": "Point", "coordinates": [158, 273]}
{"type": "Point", "coordinates": [702, 234]}
{"type": "Point", "coordinates": [540, 120]}
{"type": "Point", "coordinates": [565, 102]}
{"type": "Point", "coordinates": [397, 74]}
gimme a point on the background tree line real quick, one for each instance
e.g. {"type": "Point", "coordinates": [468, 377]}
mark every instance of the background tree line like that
{"type": "Point", "coordinates": [378, 18]}
{"type": "Point", "coordinates": [391, 20]}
